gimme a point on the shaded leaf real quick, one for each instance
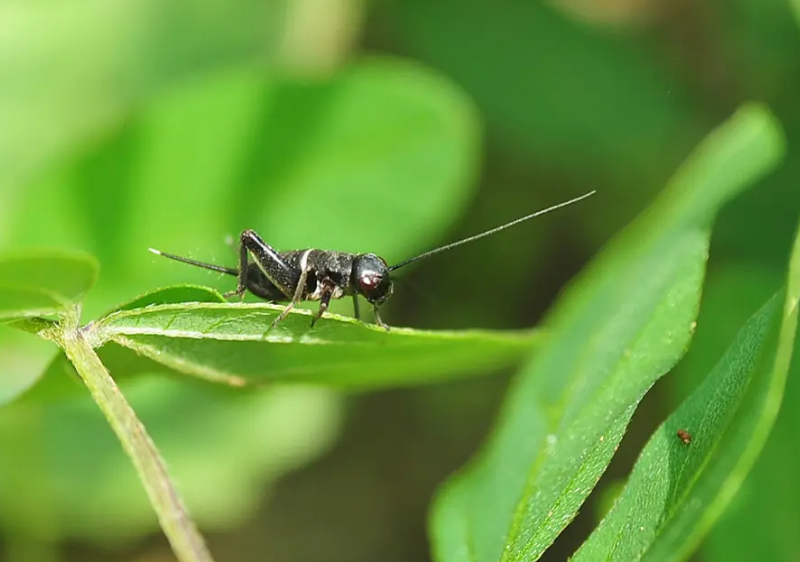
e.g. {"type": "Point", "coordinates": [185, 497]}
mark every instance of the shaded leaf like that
{"type": "Point", "coordinates": [600, 101]}
{"type": "Point", "coordinates": [18, 302]}
{"type": "Point", "coordinates": [676, 493]}
{"type": "Point", "coordinates": [254, 437]}
{"type": "Point", "coordinates": [43, 282]}
{"type": "Point", "coordinates": [387, 145]}
{"type": "Point", "coordinates": [765, 513]}
{"type": "Point", "coordinates": [678, 490]}
{"type": "Point", "coordinates": [624, 323]}
{"type": "Point", "coordinates": [380, 157]}
{"type": "Point", "coordinates": [139, 47]}
{"type": "Point", "coordinates": [233, 343]}
{"type": "Point", "coordinates": [795, 4]}
{"type": "Point", "coordinates": [23, 358]}
{"type": "Point", "coordinates": [60, 380]}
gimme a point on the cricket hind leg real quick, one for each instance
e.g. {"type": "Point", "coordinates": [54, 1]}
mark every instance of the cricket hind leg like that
{"type": "Point", "coordinates": [244, 269]}
{"type": "Point", "coordinates": [259, 285]}
{"type": "Point", "coordinates": [268, 260]}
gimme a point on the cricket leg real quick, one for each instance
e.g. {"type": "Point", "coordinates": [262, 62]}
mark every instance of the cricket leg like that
{"type": "Point", "coordinates": [268, 260]}
{"type": "Point", "coordinates": [356, 311]}
{"type": "Point", "coordinates": [324, 301]}
{"type": "Point", "coordinates": [241, 286]}
{"type": "Point", "coordinates": [378, 320]}
{"type": "Point", "coordinates": [298, 295]}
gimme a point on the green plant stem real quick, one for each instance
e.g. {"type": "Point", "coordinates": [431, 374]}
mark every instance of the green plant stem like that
{"type": "Point", "coordinates": [186, 540]}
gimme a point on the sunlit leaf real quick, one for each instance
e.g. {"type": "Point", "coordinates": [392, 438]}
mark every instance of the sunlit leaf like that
{"type": "Point", "coordinates": [233, 344]}
{"type": "Point", "coordinates": [623, 324]}
{"type": "Point", "coordinates": [677, 490]}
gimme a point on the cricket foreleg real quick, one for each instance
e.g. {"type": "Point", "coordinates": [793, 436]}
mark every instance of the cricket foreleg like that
{"type": "Point", "coordinates": [378, 320]}
{"type": "Point", "coordinates": [324, 301]}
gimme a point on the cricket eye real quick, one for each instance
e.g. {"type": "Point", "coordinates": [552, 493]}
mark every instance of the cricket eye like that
{"type": "Point", "coordinates": [375, 286]}
{"type": "Point", "coordinates": [371, 278]}
{"type": "Point", "coordinates": [369, 282]}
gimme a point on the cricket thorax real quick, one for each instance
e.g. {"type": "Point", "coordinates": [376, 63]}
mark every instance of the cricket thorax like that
{"type": "Point", "coordinates": [327, 272]}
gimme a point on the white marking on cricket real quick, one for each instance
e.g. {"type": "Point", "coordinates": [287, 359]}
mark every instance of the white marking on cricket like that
{"type": "Point", "coordinates": [304, 261]}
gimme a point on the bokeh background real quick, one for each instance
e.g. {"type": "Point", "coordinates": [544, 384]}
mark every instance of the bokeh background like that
{"type": "Point", "coordinates": [386, 126]}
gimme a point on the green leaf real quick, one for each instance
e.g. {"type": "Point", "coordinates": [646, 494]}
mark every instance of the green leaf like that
{"type": "Point", "coordinates": [143, 47]}
{"type": "Point", "coordinates": [59, 380]}
{"type": "Point", "coordinates": [380, 159]}
{"type": "Point", "coordinates": [185, 293]}
{"type": "Point", "coordinates": [253, 439]}
{"type": "Point", "coordinates": [23, 358]}
{"type": "Point", "coordinates": [676, 492]}
{"type": "Point", "coordinates": [43, 282]}
{"type": "Point", "coordinates": [669, 503]}
{"type": "Point", "coordinates": [70, 428]}
{"type": "Point", "coordinates": [198, 163]}
{"type": "Point", "coordinates": [795, 4]}
{"type": "Point", "coordinates": [624, 323]}
{"type": "Point", "coordinates": [613, 106]}
{"type": "Point", "coordinates": [233, 344]}
{"type": "Point", "coordinates": [762, 517]}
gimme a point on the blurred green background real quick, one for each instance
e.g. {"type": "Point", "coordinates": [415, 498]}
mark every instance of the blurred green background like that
{"type": "Point", "coordinates": [386, 126]}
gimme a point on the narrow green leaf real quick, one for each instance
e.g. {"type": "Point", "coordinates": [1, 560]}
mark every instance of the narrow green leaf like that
{"type": "Point", "coordinates": [43, 282]}
{"type": "Point", "coordinates": [677, 491]}
{"type": "Point", "coordinates": [232, 343]}
{"type": "Point", "coordinates": [763, 516]}
{"type": "Point", "coordinates": [623, 324]}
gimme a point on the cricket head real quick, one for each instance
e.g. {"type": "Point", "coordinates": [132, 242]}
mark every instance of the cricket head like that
{"type": "Point", "coordinates": [371, 279]}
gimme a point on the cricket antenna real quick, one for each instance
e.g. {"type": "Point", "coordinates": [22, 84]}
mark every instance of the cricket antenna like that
{"type": "Point", "coordinates": [488, 232]}
{"type": "Point", "coordinates": [211, 266]}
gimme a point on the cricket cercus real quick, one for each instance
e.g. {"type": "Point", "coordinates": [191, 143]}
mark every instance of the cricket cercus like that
{"type": "Point", "coordinates": [308, 275]}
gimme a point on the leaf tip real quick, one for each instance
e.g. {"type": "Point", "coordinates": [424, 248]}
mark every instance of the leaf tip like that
{"type": "Point", "coordinates": [761, 122]}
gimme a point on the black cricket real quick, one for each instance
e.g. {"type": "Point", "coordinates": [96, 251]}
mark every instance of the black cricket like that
{"type": "Point", "coordinates": [309, 275]}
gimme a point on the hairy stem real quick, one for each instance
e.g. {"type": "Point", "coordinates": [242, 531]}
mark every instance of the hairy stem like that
{"type": "Point", "coordinates": [186, 541]}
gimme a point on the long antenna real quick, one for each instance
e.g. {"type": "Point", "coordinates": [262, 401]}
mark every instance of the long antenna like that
{"type": "Point", "coordinates": [488, 232]}
{"type": "Point", "coordinates": [210, 266]}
